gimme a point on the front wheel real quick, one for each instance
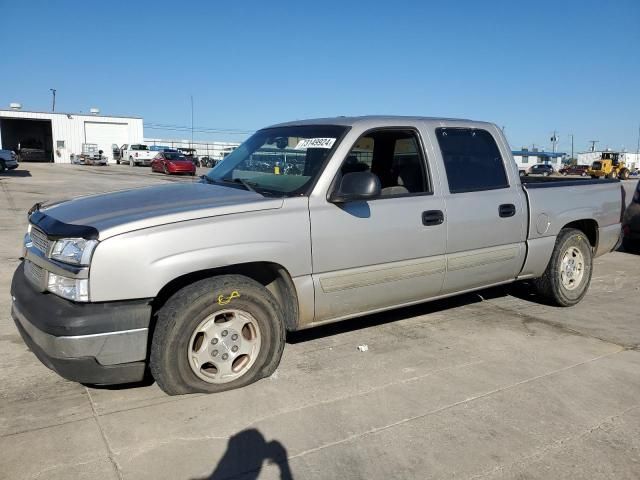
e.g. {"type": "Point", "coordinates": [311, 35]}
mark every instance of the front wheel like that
{"type": "Point", "coordinates": [131, 162]}
{"type": "Point", "coordinates": [624, 174]}
{"type": "Point", "coordinates": [217, 334]}
{"type": "Point", "coordinates": [568, 274]}
{"type": "Point", "coordinates": [3, 167]}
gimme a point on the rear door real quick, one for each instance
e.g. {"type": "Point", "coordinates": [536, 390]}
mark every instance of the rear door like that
{"type": "Point", "coordinates": [371, 255]}
{"type": "Point", "coordinates": [485, 208]}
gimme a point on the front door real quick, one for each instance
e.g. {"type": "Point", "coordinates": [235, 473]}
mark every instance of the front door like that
{"type": "Point", "coordinates": [385, 252]}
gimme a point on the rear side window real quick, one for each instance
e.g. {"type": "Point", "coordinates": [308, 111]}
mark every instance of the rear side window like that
{"type": "Point", "coordinates": [471, 159]}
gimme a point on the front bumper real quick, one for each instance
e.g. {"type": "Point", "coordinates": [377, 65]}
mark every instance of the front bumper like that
{"type": "Point", "coordinates": [99, 343]}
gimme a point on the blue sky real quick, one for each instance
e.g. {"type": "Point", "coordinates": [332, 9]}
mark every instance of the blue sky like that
{"type": "Point", "coordinates": [531, 67]}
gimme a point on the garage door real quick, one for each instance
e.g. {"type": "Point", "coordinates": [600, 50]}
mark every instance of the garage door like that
{"type": "Point", "coordinates": [106, 134]}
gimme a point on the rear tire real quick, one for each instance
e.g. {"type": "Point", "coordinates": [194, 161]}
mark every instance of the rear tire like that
{"type": "Point", "coordinates": [205, 306]}
{"type": "Point", "coordinates": [131, 162]}
{"type": "Point", "coordinates": [3, 167]}
{"type": "Point", "coordinates": [568, 274]}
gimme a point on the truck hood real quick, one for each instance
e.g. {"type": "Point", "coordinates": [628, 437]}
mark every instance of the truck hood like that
{"type": "Point", "coordinates": [124, 211]}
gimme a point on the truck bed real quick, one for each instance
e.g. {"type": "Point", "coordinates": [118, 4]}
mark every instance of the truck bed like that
{"type": "Point", "coordinates": [550, 182]}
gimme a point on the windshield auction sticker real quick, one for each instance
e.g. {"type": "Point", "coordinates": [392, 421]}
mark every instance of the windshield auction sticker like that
{"type": "Point", "coordinates": [315, 143]}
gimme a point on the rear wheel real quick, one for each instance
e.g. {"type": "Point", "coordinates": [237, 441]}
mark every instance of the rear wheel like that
{"type": "Point", "coordinates": [131, 162]}
{"type": "Point", "coordinates": [568, 274]}
{"type": "Point", "coordinates": [164, 168]}
{"type": "Point", "coordinates": [3, 167]}
{"type": "Point", "coordinates": [217, 334]}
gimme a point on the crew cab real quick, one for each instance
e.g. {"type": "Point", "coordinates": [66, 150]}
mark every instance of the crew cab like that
{"type": "Point", "coordinates": [199, 282]}
{"type": "Point", "coordinates": [137, 154]}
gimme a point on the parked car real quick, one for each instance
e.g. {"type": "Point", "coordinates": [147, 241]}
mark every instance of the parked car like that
{"type": "Point", "coordinates": [191, 154]}
{"type": "Point", "coordinates": [8, 160]}
{"type": "Point", "coordinates": [541, 169]}
{"type": "Point", "coordinates": [199, 282]}
{"type": "Point", "coordinates": [207, 161]}
{"type": "Point", "coordinates": [574, 170]}
{"type": "Point", "coordinates": [631, 223]}
{"type": "Point", "coordinates": [32, 150]}
{"type": "Point", "coordinates": [172, 162]}
{"type": "Point", "coordinates": [137, 154]}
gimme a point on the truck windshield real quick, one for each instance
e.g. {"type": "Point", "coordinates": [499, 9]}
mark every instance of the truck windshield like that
{"type": "Point", "coordinates": [283, 161]}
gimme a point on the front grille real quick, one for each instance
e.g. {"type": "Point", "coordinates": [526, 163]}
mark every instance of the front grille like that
{"type": "Point", "coordinates": [40, 240]}
{"type": "Point", "coordinates": [35, 274]}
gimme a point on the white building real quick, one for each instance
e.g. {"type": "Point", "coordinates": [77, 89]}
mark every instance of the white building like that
{"type": "Point", "coordinates": [62, 134]}
{"type": "Point", "coordinates": [631, 160]}
{"type": "Point", "coordinates": [526, 158]}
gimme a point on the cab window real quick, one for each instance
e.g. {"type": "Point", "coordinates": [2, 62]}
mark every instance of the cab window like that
{"type": "Point", "coordinates": [472, 160]}
{"type": "Point", "coordinates": [395, 157]}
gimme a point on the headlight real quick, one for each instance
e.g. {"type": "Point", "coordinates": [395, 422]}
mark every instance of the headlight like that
{"type": "Point", "coordinates": [76, 289]}
{"type": "Point", "coordinates": [74, 250]}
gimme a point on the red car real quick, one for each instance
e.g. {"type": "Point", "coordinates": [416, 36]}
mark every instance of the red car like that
{"type": "Point", "coordinates": [172, 162]}
{"type": "Point", "coordinates": [575, 170]}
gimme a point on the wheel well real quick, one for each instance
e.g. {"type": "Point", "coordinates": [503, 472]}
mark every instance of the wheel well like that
{"type": "Point", "coordinates": [272, 276]}
{"type": "Point", "coordinates": [588, 227]}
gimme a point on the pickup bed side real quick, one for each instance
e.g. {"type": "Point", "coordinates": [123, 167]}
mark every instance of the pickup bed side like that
{"type": "Point", "coordinates": [593, 207]}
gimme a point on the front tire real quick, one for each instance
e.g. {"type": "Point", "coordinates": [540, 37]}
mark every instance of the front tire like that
{"type": "Point", "coordinates": [217, 334]}
{"type": "Point", "coordinates": [131, 162]}
{"type": "Point", "coordinates": [568, 274]}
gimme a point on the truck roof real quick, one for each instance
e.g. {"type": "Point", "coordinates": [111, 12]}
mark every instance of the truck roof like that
{"type": "Point", "coordinates": [371, 121]}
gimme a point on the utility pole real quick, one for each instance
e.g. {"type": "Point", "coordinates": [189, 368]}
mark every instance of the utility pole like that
{"type": "Point", "coordinates": [571, 135]}
{"type": "Point", "coordinates": [53, 106]}
{"type": "Point", "coordinates": [554, 141]}
{"type": "Point", "coordinates": [191, 121]}
{"type": "Point", "coordinates": [593, 144]}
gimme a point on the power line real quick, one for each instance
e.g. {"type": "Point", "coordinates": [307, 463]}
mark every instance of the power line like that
{"type": "Point", "coordinates": [183, 128]}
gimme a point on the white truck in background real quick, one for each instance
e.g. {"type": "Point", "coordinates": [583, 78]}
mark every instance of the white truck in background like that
{"type": "Point", "coordinates": [136, 154]}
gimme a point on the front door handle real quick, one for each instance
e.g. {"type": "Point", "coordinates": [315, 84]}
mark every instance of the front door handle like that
{"type": "Point", "coordinates": [507, 210]}
{"type": "Point", "coordinates": [432, 217]}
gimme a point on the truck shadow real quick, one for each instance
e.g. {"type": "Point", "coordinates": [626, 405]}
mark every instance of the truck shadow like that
{"type": "Point", "coordinates": [245, 455]}
{"type": "Point", "coordinates": [522, 290]}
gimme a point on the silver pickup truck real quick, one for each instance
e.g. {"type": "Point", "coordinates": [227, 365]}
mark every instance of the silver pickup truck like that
{"type": "Point", "coordinates": [305, 223]}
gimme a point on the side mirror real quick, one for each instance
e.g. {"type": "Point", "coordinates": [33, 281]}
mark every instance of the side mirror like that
{"type": "Point", "coordinates": [356, 186]}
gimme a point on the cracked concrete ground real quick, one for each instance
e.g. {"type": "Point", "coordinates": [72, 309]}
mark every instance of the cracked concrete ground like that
{"type": "Point", "coordinates": [484, 386]}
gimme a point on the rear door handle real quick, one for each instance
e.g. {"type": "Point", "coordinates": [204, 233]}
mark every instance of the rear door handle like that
{"type": "Point", "coordinates": [507, 210]}
{"type": "Point", "coordinates": [432, 217]}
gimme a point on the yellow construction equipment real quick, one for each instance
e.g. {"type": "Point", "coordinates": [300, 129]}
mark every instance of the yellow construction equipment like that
{"type": "Point", "coordinates": [609, 166]}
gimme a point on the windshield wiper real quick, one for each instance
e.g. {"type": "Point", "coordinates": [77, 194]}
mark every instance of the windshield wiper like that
{"type": "Point", "coordinates": [248, 185]}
